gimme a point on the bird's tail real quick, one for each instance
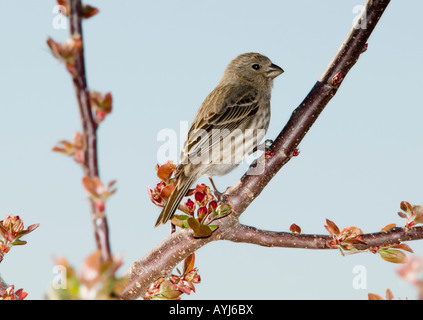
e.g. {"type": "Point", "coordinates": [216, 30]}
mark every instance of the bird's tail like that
{"type": "Point", "coordinates": [181, 189]}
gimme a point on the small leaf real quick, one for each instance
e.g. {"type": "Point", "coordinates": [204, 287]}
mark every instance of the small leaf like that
{"type": "Point", "coordinates": [389, 295]}
{"type": "Point", "coordinates": [203, 232]}
{"type": "Point", "coordinates": [189, 263]}
{"type": "Point", "coordinates": [165, 171]}
{"type": "Point", "coordinates": [220, 212]}
{"type": "Point", "coordinates": [31, 228]}
{"type": "Point", "coordinates": [213, 227]}
{"type": "Point", "coordinates": [418, 212]}
{"type": "Point", "coordinates": [394, 256]}
{"type": "Point", "coordinates": [373, 296]}
{"type": "Point", "coordinates": [18, 242]}
{"type": "Point", "coordinates": [180, 220]}
{"type": "Point", "coordinates": [111, 184]}
{"type": "Point", "coordinates": [402, 215]}
{"type": "Point", "coordinates": [90, 185]}
{"type": "Point", "coordinates": [193, 223]}
{"type": "Point", "coordinates": [388, 227]}
{"type": "Point", "coordinates": [332, 227]}
{"type": "Point", "coordinates": [88, 11]}
{"type": "Point", "coordinates": [200, 230]}
{"type": "Point", "coordinates": [406, 207]}
{"type": "Point", "coordinates": [403, 246]}
{"type": "Point", "coordinates": [223, 210]}
{"type": "Point", "coordinates": [167, 191]}
{"type": "Point", "coordinates": [168, 290]}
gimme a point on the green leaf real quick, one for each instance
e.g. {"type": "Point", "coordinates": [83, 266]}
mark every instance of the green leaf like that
{"type": "Point", "coordinates": [180, 220]}
{"type": "Point", "coordinates": [394, 256]}
{"type": "Point", "coordinates": [220, 212]}
{"type": "Point", "coordinates": [193, 223]}
{"type": "Point", "coordinates": [213, 227]}
{"type": "Point", "coordinates": [168, 290]}
{"type": "Point", "coordinates": [406, 207]}
{"type": "Point", "coordinates": [203, 232]}
{"type": "Point", "coordinates": [200, 230]}
{"type": "Point", "coordinates": [18, 242]}
{"type": "Point", "coordinates": [224, 210]}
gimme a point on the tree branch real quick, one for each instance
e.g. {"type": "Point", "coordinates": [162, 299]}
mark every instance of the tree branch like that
{"type": "Point", "coordinates": [177, 246]}
{"type": "Point", "coordinates": [89, 127]}
{"type": "Point", "coordinates": [247, 234]}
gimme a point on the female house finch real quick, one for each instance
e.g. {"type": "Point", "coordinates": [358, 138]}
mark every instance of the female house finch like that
{"type": "Point", "coordinates": [230, 123]}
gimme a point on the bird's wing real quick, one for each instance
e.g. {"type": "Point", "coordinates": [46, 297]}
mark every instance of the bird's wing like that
{"type": "Point", "coordinates": [225, 108]}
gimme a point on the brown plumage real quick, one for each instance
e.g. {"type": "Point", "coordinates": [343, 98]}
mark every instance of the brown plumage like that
{"type": "Point", "coordinates": [230, 123]}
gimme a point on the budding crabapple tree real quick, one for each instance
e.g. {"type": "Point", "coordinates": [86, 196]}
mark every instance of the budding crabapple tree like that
{"type": "Point", "coordinates": [169, 270]}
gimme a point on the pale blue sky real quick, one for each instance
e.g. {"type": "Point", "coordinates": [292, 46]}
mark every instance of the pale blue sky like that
{"type": "Point", "coordinates": [160, 59]}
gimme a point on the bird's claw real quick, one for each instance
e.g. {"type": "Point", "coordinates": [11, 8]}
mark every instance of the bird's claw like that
{"type": "Point", "coordinates": [220, 197]}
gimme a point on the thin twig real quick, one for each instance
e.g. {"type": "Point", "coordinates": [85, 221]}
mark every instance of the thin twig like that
{"type": "Point", "coordinates": [247, 234]}
{"type": "Point", "coordinates": [89, 127]}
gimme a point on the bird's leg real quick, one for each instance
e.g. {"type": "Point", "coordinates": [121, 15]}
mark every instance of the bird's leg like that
{"type": "Point", "coordinates": [218, 195]}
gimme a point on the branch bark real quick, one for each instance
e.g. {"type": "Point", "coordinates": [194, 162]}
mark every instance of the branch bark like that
{"type": "Point", "coordinates": [247, 234]}
{"type": "Point", "coordinates": [177, 246]}
{"type": "Point", "coordinates": [89, 127]}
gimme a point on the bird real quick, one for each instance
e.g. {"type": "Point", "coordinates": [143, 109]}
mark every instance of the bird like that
{"type": "Point", "coordinates": [230, 124]}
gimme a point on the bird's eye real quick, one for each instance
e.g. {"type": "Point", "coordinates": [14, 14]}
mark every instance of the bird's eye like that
{"type": "Point", "coordinates": [255, 66]}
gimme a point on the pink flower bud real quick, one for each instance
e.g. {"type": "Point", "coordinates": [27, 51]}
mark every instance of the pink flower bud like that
{"type": "Point", "coordinates": [190, 205]}
{"type": "Point", "coordinates": [159, 187]}
{"type": "Point", "coordinates": [201, 213]}
{"type": "Point", "coordinates": [17, 226]}
{"type": "Point", "coordinates": [100, 206]}
{"type": "Point", "coordinates": [79, 157]}
{"type": "Point", "coordinates": [200, 197]}
{"type": "Point", "coordinates": [201, 188]}
{"type": "Point", "coordinates": [212, 206]}
{"type": "Point", "coordinates": [269, 154]}
{"type": "Point", "coordinates": [296, 152]}
{"type": "Point", "coordinates": [100, 115]}
{"type": "Point", "coordinates": [13, 224]}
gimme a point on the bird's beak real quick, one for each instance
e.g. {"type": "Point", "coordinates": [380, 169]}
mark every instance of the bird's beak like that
{"type": "Point", "coordinates": [274, 71]}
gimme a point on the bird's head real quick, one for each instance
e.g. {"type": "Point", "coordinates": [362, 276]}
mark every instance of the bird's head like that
{"type": "Point", "coordinates": [252, 67]}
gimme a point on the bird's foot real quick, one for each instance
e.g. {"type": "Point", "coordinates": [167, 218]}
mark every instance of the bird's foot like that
{"type": "Point", "coordinates": [220, 197]}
